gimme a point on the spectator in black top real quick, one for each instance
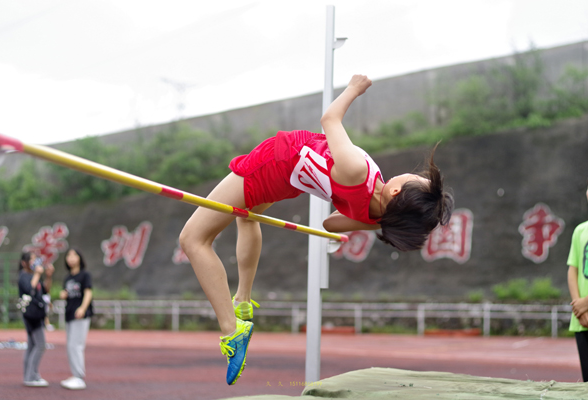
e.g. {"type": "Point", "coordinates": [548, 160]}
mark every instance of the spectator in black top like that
{"type": "Point", "coordinates": [77, 290]}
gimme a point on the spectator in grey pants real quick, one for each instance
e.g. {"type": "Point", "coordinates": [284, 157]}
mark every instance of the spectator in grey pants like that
{"type": "Point", "coordinates": [30, 283]}
{"type": "Point", "coordinates": [77, 290]}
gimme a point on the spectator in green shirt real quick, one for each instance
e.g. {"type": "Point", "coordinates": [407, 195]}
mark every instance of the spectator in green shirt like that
{"type": "Point", "coordinates": [578, 284]}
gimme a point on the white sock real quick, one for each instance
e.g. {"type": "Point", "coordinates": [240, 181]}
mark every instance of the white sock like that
{"type": "Point", "coordinates": [230, 334]}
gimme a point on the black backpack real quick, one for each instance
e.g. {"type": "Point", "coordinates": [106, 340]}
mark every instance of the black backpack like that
{"type": "Point", "coordinates": [32, 306]}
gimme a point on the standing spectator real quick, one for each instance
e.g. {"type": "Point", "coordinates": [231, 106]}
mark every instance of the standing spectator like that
{"type": "Point", "coordinates": [77, 290]}
{"type": "Point", "coordinates": [31, 284]}
{"type": "Point", "coordinates": [578, 284]}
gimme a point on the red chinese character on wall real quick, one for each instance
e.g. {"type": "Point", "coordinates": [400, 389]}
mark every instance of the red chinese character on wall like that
{"type": "Point", "coordinates": [358, 247]}
{"type": "Point", "coordinates": [49, 242]}
{"type": "Point", "coordinates": [130, 246]}
{"type": "Point", "coordinates": [3, 234]}
{"type": "Point", "coordinates": [540, 229]}
{"type": "Point", "coordinates": [453, 240]}
{"type": "Point", "coordinates": [180, 257]}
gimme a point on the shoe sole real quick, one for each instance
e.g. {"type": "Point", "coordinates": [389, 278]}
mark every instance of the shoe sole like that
{"type": "Point", "coordinates": [244, 358]}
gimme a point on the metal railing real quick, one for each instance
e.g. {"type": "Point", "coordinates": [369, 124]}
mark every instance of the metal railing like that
{"type": "Point", "coordinates": [9, 285]}
{"type": "Point", "coordinates": [486, 312]}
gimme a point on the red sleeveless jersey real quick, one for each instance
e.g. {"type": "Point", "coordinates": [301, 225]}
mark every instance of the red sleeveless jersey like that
{"type": "Point", "coordinates": [291, 163]}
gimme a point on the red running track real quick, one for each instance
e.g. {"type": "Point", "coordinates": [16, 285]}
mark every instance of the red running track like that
{"type": "Point", "coordinates": [154, 365]}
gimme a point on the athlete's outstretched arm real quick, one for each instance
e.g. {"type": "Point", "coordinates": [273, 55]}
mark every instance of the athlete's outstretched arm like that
{"type": "Point", "coordinates": [349, 166]}
{"type": "Point", "coordinates": [337, 222]}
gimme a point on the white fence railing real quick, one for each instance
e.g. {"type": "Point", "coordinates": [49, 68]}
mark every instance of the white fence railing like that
{"type": "Point", "coordinates": [358, 311]}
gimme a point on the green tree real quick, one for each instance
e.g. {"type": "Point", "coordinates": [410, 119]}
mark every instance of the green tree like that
{"type": "Point", "coordinates": [184, 157]}
{"type": "Point", "coordinates": [25, 190]}
{"type": "Point", "coordinates": [569, 94]}
{"type": "Point", "coordinates": [76, 187]}
{"type": "Point", "coordinates": [524, 80]}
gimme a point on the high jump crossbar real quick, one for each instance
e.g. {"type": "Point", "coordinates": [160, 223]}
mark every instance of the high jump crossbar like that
{"type": "Point", "coordinates": [8, 143]}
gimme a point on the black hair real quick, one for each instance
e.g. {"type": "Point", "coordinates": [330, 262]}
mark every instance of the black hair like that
{"type": "Point", "coordinates": [414, 212]}
{"type": "Point", "coordinates": [24, 257]}
{"type": "Point", "coordinates": [82, 262]}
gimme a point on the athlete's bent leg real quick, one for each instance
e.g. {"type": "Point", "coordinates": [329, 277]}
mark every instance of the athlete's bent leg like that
{"type": "Point", "coordinates": [249, 243]}
{"type": "Point", "coordinates": [196, 240]}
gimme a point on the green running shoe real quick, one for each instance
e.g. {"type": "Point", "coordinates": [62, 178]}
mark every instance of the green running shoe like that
{"type": "Point", "coordinates": [244, 310]}
{"type": "Point", "coordinates": [235, 348]}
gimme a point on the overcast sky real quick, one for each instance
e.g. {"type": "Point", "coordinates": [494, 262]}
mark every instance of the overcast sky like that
{"type": "Point", "coordinates": [73, 68]}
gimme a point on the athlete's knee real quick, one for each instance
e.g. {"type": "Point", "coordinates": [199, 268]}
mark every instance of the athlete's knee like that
{"type": "Point", "coordinates": [188, 239]}
{"type": "Point", "coordinates": [246, 223]}
{"type": "Point", "coordinates": [193, 240]}
{"type": "Point", "coordinates": [248, 227]}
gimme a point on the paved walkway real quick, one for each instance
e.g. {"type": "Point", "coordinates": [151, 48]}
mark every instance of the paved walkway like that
{"type": "Point", "coordinates": [154, 365]}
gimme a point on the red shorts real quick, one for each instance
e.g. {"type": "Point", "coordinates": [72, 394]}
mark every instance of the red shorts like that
{"type": "Point", "coordinates": [267, 168]}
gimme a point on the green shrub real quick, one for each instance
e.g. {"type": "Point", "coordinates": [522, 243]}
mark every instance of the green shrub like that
{"type": "Point", "coordinates": [515, 289]}
{"type": "Point", "coordinates": [542, 289]}
{"type": "Point", "coordinates": [124, 293]}
{"type": "Point", "coordinates": [475, 296]}
{"type": "Point", "coordinates": [521, 290]}
{"type": "Point", "coordinates": [509, 95]}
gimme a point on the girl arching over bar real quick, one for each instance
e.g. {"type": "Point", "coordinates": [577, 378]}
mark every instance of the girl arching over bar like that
{"type": "Point", "coordinates": [406, 208]}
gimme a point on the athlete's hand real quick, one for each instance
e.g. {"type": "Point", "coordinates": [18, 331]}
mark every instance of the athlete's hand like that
{"type": "Point", "coordinates": [359, 83]}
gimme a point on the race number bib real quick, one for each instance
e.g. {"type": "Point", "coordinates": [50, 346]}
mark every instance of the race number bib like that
{"type": "Point", "coordinates": [311, 175]}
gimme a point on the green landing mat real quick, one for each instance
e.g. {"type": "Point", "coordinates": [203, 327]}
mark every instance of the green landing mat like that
{"type": "Point", "coordinates": [389, 383]}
